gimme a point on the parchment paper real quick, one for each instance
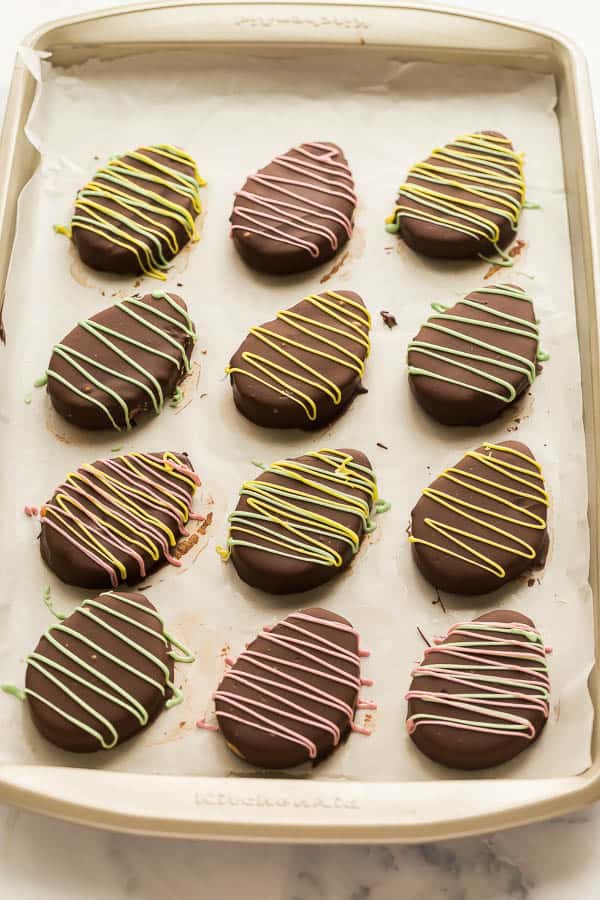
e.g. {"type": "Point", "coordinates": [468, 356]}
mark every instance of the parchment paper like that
{"type": "Point", "coordinates": [233, 112]}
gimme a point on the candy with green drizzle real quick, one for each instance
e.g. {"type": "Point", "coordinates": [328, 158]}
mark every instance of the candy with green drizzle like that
{"type": "Point", "coordinates": [469, 362]}
{"type": "Point", "coordinates": [124, 361]}
{"type": "Point", "coordinates": [481, 695]}
{"type": "Point", "coordinates": [102, 674]}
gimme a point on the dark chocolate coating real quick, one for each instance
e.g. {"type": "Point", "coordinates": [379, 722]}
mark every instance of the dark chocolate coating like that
{"type": "Point", "coordinates": [449, 573]}
{"type": "Point", "coordinates": [452, 404]}
{"type": "Point", "coordinates": [105, 255]}
{"type": "Point", "coordinates": [277, 257]}
{"type": "Point", "coordinates": [460, 748]}
{"type": "Point", "coordinates": [87, 414]}
{"type": "Point", "coordinates": [74, 567]}
{"type": "Point", "coordinates": [269, 750]}
{"type": "Point", "coordinates": [281, 575]}
{"type": "Point", "coordinates": [274, 408]}
{"type": "Point", "coordinates": [433, 239]}
{"type": "Point", "coordinates": [59, 730]}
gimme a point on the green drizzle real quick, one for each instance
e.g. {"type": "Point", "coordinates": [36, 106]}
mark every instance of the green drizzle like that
{"type": "Point", "coordinates": [47, 598]}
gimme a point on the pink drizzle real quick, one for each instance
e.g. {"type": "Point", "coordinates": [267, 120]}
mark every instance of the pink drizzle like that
{"type": "Point", "coordinates": [256, 713]}
{"type": "Point", "coordinates": [207, 726]}
{"type": "Point", "coordinates": [489, 662]}
{"type": "Point", "coordinates": [318, 171]}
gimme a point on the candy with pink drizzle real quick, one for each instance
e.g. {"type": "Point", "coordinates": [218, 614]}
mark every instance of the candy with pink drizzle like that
{"type": "Point", "coordinates": [292, 695]}
{"type": "Point", "coordinates": [296, 212]}
{"type": "Point", "coordinates": [116, 519]}
{"type": "Point", "coordinates": [481, 694]}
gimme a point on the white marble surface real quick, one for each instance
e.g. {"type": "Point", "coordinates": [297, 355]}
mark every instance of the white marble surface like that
{"type": "Point", "coordinates": [558, 860]}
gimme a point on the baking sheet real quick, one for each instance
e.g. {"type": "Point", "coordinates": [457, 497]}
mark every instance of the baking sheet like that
{"type": "Point", "coordinates": [233, 111]}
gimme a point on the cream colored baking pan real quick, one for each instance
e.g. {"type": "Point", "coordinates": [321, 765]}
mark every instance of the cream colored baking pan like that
{"type": "Point", "coordinates": [299, 810]}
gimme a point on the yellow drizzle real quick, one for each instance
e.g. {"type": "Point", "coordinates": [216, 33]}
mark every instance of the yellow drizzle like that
{"type": "Point", "coordinates": [482, 166]}
{"type": "Point", "coordinates": [487, 487]}
{"type": "Point", "coordinates": [354, 324]}
{"type": "Point", "coordinates": [307, 533]}
{"type": "Point", "coordinates": [131, 188]}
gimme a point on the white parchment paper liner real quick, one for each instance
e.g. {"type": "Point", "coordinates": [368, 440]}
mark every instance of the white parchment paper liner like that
{"type": "Point", "coordinates": [233, 111]}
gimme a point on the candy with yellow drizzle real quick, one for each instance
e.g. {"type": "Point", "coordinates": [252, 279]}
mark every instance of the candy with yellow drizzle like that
{"type": "Point", "coordinates": [304, 367]}
{"type": "Point", "coordinates": [302, 520]}
{"type": "Point", "coordinates": [116, 519]}
{"type": "Point", "coordinates": [464, 200]}
{"type": "Point", "coordinates": [103, 673]}
{"type": "Point", "coordinates": [483, 521]}
{"type": "Point", "coordinates": [138, 211]}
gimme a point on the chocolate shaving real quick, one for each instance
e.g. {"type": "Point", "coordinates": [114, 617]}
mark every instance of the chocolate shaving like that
{"type": "Point", "coordinates": [440, 601]}
{"type": "Point", "coordinates": [205, 524]}
{"type": "Point", "coordinates": [423, 636]}
{"type": "Point", "coordinates": [336, 268]}
{"type": "Point", "coordinates": [389, 318]}
{"type": "Point", "coordinates": [383, 446]}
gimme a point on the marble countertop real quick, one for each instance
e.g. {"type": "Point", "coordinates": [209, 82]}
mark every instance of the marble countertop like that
{"type": "Point", "coordinates": [43, 858]}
